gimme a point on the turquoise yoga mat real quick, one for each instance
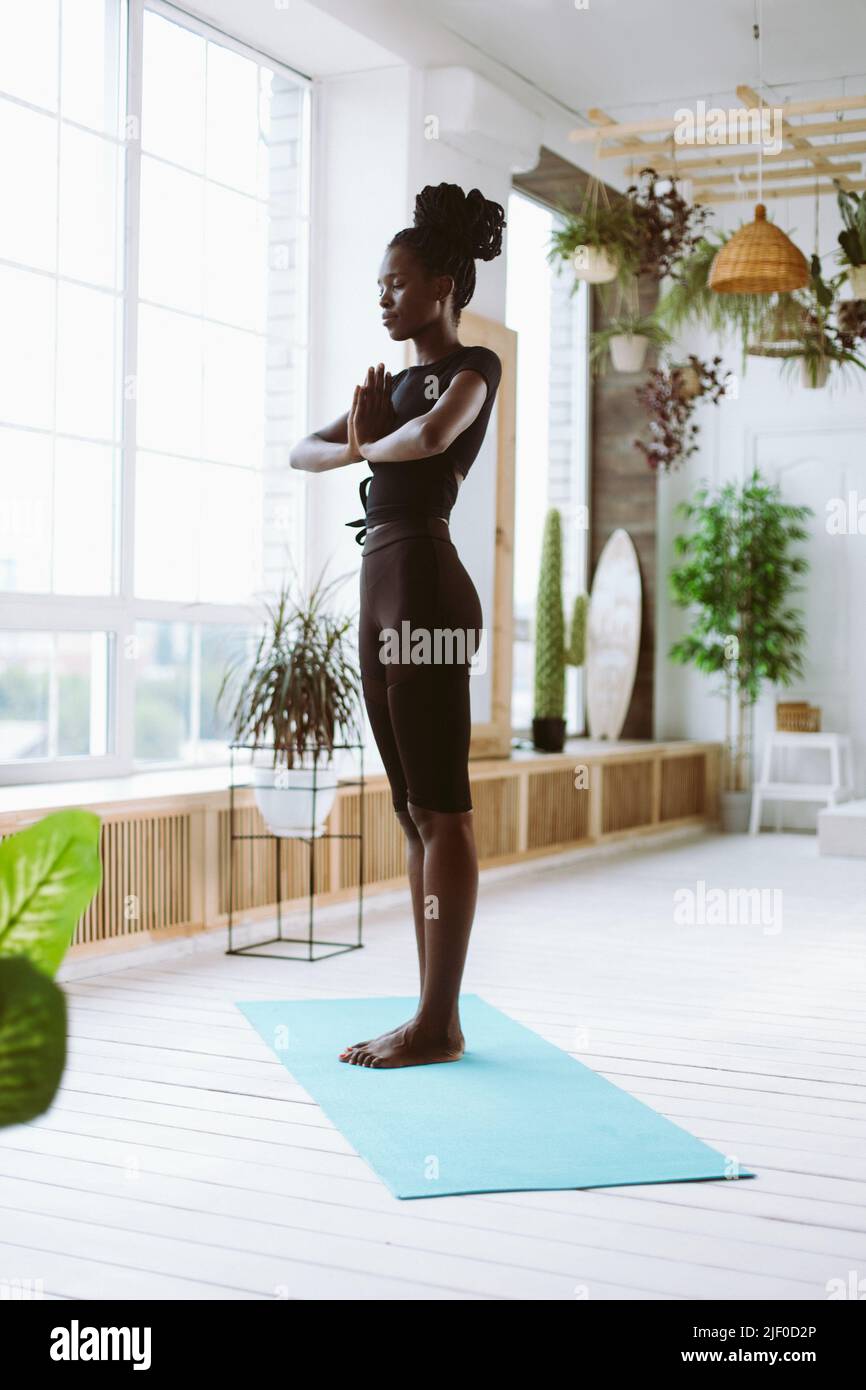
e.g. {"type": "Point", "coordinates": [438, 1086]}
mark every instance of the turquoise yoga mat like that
{"type": "Point", "coordinates": [515, 1114]}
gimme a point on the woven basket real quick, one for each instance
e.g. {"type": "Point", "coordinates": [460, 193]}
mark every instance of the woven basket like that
{"type": "Point", "coordinates": [759, 259]}
{"type": "Point", "coordinates": [798, 717]}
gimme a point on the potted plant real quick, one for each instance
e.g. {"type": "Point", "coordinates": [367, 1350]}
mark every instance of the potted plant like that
{"type": "Point", "coordinates": [627, 337]}
{"type": "Point", "coordinates": [597, 242]}
{"type": "Point", "coordinates": [666, 228]}
{"type": "Point", "coordinates": [299, 697]}
{"type": "Point", "coordinates": [852, 239]}
{"type": "Point", "coordinates": [737, 574]}
{"type": "Point", "coordinates": [48, 875]}
{"type": "Point", "coordinates": [670, 397]}
{"type": "Point", "coordinates": [828, 334]}
{"type": "Point", "coordinates": [548, 723]}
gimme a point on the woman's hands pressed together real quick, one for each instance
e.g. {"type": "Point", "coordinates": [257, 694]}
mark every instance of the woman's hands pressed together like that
{"type": "Point", "coordinates": [372, 414]}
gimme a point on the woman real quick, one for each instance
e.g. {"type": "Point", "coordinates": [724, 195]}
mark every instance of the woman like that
{"type": "Point", "coordinates": [420, 433]}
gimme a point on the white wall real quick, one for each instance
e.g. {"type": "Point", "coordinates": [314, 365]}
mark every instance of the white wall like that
{"type": "Point", "coordinates": [814, 442]}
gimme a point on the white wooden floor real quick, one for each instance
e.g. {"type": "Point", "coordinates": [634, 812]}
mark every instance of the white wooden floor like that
{"type": "Point", "coordinates": [180, 1161]}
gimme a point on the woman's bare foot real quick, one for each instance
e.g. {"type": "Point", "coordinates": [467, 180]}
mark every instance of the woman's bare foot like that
{"type": "Point", "coordinates": [372, 1042]}
{"type": "Point", "coordinates": [409, 1046]}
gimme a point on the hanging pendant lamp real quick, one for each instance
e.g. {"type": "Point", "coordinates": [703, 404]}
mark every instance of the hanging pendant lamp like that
{"type": "Point", "coordinates": [759, 259]}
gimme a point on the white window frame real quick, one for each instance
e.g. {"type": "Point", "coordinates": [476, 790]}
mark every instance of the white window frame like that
{"type": "Point", "coordinates": [119, 613]}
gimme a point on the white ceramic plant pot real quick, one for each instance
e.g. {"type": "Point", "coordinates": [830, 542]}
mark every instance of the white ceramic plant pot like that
{"type": "Point", "coordinates": [594, 265]}
{"type": "Point", "coordinates": [819, 380]}
{"type": "Point", "coordinates": [628, 351]}
{"type": "Point", "coordinates": [857, 280]}
{"type": "Point", "coordinates": [734, 808]}
{"type": "Point", "coordinates": [295, 802]}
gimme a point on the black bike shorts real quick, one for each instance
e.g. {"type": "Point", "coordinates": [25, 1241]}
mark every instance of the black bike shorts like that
{"type": "Point", "coordinates": [420, 624]}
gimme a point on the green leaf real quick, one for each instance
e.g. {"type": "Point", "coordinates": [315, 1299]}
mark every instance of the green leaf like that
{"type": "Point", "coordinates": [48, 875]}
{"type": "Point", "coordinates": [32, 1041]}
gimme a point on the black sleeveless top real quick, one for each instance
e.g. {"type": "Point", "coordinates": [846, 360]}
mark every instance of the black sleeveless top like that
{"type": "Point", "coordinates": [428, 487]}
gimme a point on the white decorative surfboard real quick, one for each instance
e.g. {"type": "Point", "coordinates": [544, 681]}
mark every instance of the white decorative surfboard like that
{"type": "Point", "coordinates": [612, 636]}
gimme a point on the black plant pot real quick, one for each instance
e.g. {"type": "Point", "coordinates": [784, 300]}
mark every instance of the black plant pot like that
{"type": "Point", "coordinates": [548, 735]}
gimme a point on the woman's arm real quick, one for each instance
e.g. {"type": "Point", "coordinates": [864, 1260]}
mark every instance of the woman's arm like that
{"type": "Point", "coordinates": [457, 407]}
{"type": "Point", "coordinates": [326, 448]}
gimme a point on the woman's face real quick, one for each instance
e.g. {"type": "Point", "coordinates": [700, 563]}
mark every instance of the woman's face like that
{"type": "Point", "coordinates": [410, 299]}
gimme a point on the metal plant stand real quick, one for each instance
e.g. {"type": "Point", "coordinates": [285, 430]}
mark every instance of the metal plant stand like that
{"type": "Point", "coordinates": [313, 951]}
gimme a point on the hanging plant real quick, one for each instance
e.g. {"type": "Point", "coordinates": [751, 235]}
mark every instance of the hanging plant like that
{"type": "Point", "coordinates": [626, 338]}
{"type": "Point", "coordinates": [598, 241]}
{"type": "Point", "coordinates": [748, 319]}
{"type": "Point", "coordinates": [829, 333]}
{"type": "Point", "coordinates": [667, 229]}
{"type": "Point", "coordinates": [669, 398]}
{"type": "Point", "coordinates": [852, 239]}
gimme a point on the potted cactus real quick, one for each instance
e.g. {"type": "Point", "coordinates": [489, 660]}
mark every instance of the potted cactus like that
{"type": "Point", "coordinates": [575, 651]}
{"type": "Point", "coordinates": [548, 724]}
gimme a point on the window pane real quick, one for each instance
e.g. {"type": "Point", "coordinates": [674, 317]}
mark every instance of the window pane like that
{"type": "Point", "coordinates": [90, 64]}
{"type": "Point", "coordinates": [220, 646]}
{"type": "Point", "coordinates": [53, 694]}
{"type": "Point", "coordinates": [173, 105]}
{"type": "Point", "coordinates": [25, 511]}
{"type": "Point", "coordinates": [167, 527]}
{"type": "Point", "coordinates": [28, 178]}
{"type": "Point", "coordinates": [230, 539]}
{"type": "Point", "coordinates": [90, 208]}
{"type": "Point", "coordinates": [26, 348]}
{"type": "Point", "coordinates": [162, 692]}
{"type": "Point", "coordinates": [234, 396]}
{"type": "Point", "coordinates": [235, 283]}
{"type": "Point", "coordinates": [88, 351]}
{"type": "Point", "coordinates": [84, 517]}
{"type": "Point", "coordinates": [172, 247]}
{"type": "Point", "coordinates": [28, 51]}
{"type": "Point", "coordinates": [232, 119]}
{"type": "Point", "coordinates": [169, 381]}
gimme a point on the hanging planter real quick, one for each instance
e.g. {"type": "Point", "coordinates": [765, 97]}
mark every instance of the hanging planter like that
{"type": "Point", "coordinates": [628, 351]}
{"type": "Point", "coordinates": [814, 372]}
{"type": "Point", "coordinates": [759, 259]}
{"type": "Point", "coordinates": [852, 240]}
{"type": "Point", "coordinates": [857, 280]}
{"type": "Point", "coordinates": [598, 241]}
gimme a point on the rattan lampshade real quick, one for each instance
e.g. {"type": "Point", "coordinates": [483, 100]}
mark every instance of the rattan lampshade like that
{"type": "Point", "coordinates": [759, 259]}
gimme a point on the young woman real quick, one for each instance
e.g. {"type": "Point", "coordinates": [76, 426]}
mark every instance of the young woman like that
{"type": "Point", "coordinates": [420, 433]}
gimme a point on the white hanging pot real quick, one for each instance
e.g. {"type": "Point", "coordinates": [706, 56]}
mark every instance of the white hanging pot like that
{"type": "Point", "coordinates": [295, 802]}
{"type": "Point", "coordinates": [628, 351]}
{"type": "Point", "coordinates": [857, 280]}
{"type": "Point", "coordinates": [816, 378]}
{"type": "Point", "coordinates": [594, 265]}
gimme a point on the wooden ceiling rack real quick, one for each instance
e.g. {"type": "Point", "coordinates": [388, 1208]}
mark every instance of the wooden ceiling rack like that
{"type": "Point", "coordinates": [801, 168]}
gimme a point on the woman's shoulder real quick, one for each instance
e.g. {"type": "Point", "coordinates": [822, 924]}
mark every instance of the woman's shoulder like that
{"type": "Point", "coordinates": [480, 359]}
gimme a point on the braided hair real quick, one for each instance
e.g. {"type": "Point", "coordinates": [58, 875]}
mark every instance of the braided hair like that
{"type": "Point", "coordinates": [452, 230]}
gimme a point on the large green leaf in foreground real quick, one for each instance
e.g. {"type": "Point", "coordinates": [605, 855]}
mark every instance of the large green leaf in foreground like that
{"type": "Point", "coordinates": [48, 875]}
{"type": "Point", "coordinates": [32, 1041]}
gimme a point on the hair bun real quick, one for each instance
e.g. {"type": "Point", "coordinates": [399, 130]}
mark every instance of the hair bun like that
{"type": "Point", "coordinates": [472, 223]}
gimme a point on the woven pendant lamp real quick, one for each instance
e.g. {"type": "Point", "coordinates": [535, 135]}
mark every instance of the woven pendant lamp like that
{"type": "Point", "coordinates": [759, 259]}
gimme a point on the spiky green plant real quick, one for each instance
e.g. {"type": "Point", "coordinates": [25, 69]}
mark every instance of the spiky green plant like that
{"type": "Point", "coordinates": [301, 692]}
{"type": "Point", "coordinates": [737, 574]}
{"type": "Point", "coordinates": [575, 651]}
{"type": "Point", "coordinates": [550, 624]}
{"type": "Point", "coordinates": [605, 228]}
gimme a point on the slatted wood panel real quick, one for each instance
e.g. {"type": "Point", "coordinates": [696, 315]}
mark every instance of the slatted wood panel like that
{"type": "Point", "coordinates": [145, 880]}
{"type": "Point", "coordinates": [558, 811]}
{"type": "Point", "coordinates": [496, 812]}
{"type": "Point", "coordinates": [626, 796]}
{"type": "Point", "coordinates": [255, 864]}
{"type": "Point", "coordinates": [384, 841]}
{"type": "Point", "coordinates": [684, 782]}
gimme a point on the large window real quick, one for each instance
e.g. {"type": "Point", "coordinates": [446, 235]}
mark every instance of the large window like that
{"type": "Point", "coordinates": [551, 448]}
{"type": "Point", "coordinates": [153, 281]}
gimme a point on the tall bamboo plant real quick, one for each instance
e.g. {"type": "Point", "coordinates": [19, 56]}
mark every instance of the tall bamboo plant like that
{"type": "Point", "coordinates": [738, 572]}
